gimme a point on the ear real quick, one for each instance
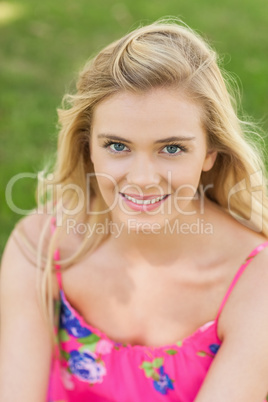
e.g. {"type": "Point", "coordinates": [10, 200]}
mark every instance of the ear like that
{"type": "Point", "coordinates": [209, 160]}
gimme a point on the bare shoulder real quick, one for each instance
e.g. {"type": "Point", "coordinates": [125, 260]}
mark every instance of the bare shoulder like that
{"type": "Point", "coordinates": [248, 301]}
{"type": "Point", "coordinates": [240, 369]}
{"type": "Point", "coordinates": [21, 249]}
{"type": "Point", "coordinates": [21, 311]}
{"type": "Point", "coordinates": [247, 305]}
{"type": "Point", "coordinates": [232, 240]}
{"type": "Point", "coordinates": [20, 255]}
{"type": "Point", "coordinates": [31, 230]}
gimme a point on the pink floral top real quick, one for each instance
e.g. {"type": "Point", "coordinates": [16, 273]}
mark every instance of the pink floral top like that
{"type": "Point", "coordinates": [92, 367]}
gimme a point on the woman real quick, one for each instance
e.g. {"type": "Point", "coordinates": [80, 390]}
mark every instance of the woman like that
{"type": "Point", "coordinates": [153, 251]}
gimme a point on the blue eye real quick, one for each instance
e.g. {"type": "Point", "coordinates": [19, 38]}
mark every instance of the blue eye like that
{"type": "Point", "coordinates": [172, 149]}
{"type": "Point", "coordinates": [117, 146]}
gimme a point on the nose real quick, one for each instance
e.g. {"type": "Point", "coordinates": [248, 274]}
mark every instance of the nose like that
{"type": "Point", "coordinates": [143, 172]}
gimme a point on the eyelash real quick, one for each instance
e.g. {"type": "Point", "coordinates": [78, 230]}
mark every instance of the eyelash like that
{"type": "Point", "coordinates": [180, 146]}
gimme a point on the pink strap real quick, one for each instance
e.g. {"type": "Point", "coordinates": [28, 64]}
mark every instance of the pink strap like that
{"type": "Point", "coordinates": [240, 272]}
{"type": "Point", "coordinates": [56, 254]}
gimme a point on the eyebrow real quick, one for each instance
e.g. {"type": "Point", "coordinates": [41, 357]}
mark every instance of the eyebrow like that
{"type": "Point", "coordinates": [164, 140]}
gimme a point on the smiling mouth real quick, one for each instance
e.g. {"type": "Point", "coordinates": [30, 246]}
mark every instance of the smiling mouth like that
{"type": "Point", "coordinates": [143, 201]}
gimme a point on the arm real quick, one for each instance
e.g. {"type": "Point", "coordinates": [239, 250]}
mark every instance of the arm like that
{"type": "Point", "coordinates": [240, 369]}
{"type": "Point", "coordinates": [25, 349]}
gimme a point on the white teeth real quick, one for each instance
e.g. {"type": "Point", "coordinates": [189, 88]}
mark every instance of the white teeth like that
{"type": "Point", "coordinates": [144, 202]}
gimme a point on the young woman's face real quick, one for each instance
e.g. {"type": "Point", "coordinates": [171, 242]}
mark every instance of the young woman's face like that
{"type": "Point", "coordinates": [149, 151]}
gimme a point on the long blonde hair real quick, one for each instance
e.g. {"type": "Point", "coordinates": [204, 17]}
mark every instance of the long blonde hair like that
{"type": "Point", "coordinates": [163, 54]}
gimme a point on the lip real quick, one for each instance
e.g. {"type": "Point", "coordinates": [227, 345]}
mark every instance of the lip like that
{"type": "Point", "coordinates": [143, 197]}
{"type": "Point", "coordinates": [143, 207]}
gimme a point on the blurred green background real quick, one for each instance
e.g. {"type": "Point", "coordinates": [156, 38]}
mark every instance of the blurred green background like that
{"type": "Point", "coordinates": [43, 45]}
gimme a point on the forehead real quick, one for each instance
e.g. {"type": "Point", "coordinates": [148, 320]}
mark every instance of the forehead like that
{"type": "Point", "coordinates": [158, 112]}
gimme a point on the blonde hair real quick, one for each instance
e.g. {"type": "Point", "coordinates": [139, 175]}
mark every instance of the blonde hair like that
{"type": "Point", "coordinates": [163, 54]}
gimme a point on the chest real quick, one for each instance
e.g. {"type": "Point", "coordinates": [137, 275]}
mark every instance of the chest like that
{"type": "Point", "coordinates": [144, 306]}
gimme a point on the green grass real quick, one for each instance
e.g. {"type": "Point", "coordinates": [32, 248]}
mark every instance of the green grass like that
{"type": "Point", "coordinates": [44, 44]}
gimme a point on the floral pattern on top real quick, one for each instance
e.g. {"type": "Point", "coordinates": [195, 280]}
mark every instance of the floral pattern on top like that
{"type": "Point", "coordinates": [69, 322]}
{"type": "Point", "coordinates": [85, 366]}
{"type": "Point", "coordinates": [84, 362]}
{"type": "Point", "coordinates": [155, 370]}
{"type": "Point", "coordinates": [164, 383]}
{"type": "Point", "coordinates": [89, 366]}
{"type": "Point", "coordinates": [213, 348]}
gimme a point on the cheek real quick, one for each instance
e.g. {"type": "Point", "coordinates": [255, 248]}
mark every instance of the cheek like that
{"type": "Point", "coordinates": [107, 187]}
{"type": "Point", "coordinates": [113, 169]}
{"type": "Point", "coordinates": [106, 182]}
{"type": "Point", "coordinates": [187, 174]}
